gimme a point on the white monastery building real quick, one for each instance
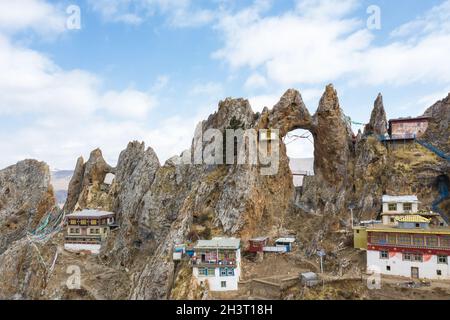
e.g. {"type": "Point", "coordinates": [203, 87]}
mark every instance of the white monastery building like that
{"type": "Point", "coordinates": [217, 262]}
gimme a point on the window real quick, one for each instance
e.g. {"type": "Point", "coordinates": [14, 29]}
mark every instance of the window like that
{"type": "Point", "coordinates": [418, 241]}
{"type": "Point", "coordinates": [392, 220]}
{"type": "Point", "coordinates": [417, 257]}
{"type": "Point", "coordinates": [388, 268]}
{"type": "Point", "coordinates": [392, 207]}
{"type": "Point", "coordinates": [445, 242]}
{"type": "Point", "coordinates": [407, 206]}
{"type": "Point", "coordinates": [404, 239]}
{"type": "Point", "coordinates": [442, 259]}
{"type": "Point", "coordinates": [94, 222]}
{"type": "Point", "coordinates": [384, 255]}
{"type": "Point", "coordinates": [226, 272]}
{"type": "Point", "coordinates": [223, 284]}
{"type": "Point", "coordinates": [83, 222]}
{"type": "Point", "coordinates": [378, 238]}
{"type": "Point", "coordinates": [206, 272]}
{"type": "Point", "coordinates": [439, 272]}
{"type": "Point", "coordinates": [432, 241]}
{"type": "Point", "coordinates": [407, 257]}
{"type": "Point", "coordinates": [392, 239]}
{"type": "Point", "coordinates": [417, 225]}
{"type": "Point", "coordinates": [73, 222]}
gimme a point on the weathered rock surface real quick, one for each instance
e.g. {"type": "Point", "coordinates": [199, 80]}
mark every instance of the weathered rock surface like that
{"type": "Point", "coordinates": [87, 188]}
{"type": "Point", "coordinates": [332, 141]}
{"type": "Point", "coordinates": [25, 196]}
{"type": "Point", "coordinates": [378, 124]}
{"type": "Point", "coordinates": [159, 206]}
{"type": "Point", "coordinates": [439, 127]}
{"type": "Point", "coordinates": [135, 173]}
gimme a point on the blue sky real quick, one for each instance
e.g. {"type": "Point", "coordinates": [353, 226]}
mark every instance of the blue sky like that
{"type": "Point", "coordinates": [151, 69]}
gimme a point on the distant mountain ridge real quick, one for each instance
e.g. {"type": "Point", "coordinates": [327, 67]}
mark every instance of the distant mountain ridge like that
{"type": "Point", "coordinates": [60, 181]}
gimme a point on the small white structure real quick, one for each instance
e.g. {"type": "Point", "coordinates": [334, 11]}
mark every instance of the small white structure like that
{"type": "Point", "coordinates": [309, 279]}
{"type": "Point", "coordinates": [179, 251]}
{"type": "Point", "coordinates": [397, 206]}
{"type": "Point", "coordinates": [217, 262]}
{"type": "Point", "coordinates": [285, 242]}
{"type": "Point", "coordinates": [282, 245]}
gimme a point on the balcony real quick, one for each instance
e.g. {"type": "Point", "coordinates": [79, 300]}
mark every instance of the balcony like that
{"type": "Point", "coordinates": [213, 263]}
{"type": "Point", "coordinates": [408, 246]}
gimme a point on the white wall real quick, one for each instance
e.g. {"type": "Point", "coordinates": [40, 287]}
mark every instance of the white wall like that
{"type": "Point", "coordinates": [93, 248]}
{"type": "Point", "coordinates": [427, 269]}
{"type": "Point", "coordinates": [415, 208]}
{"type": "Point", "coordinates": [215, 282]}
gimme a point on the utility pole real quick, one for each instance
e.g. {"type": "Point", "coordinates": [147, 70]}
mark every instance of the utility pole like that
{"type": "Point", "coordinates": [321, 254]}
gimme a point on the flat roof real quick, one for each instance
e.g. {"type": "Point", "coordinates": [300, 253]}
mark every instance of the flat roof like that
{"type": "Point", "coordinates": [420, 213]}
{"type": "Point", "coordinates": [395, 229]}
{"type": "Point", "coordinates": [408, 119]}
{"type": "Point", "coordinates": [286, 240]}
{"type": "Point", "coordinates": [259, 239]}
{"type": "Point", "coordinates": [89, 213]}
{"type": "Point", "coordinates": [397, 199]}
{"type": "Point", "coordinates": [219, 243]}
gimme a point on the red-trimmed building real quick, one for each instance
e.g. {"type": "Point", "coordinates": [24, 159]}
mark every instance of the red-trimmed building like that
{"type": "Point", "coordinates": [408, 128]}
{"type": "Point", "coordinates": [257, 244]}
{"type": "Point", "coordinates": [87, 229]}
{"type": "Point", "coordinates": [410, 249]}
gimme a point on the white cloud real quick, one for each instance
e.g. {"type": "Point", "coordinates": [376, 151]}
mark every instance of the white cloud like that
{"type": "Point", "coordinates": [320, 9]}
{"type": "Point", "coordinates": [66, 111]}
{"type": "Point", "coordinates": [256, 80]}
{"type": "Point", "coordinates": [128, 103]}
{"type": "Point", "coordinates": [321, 41]}
{"type": "Point", "coordinates": [37, 15]}
{"type": "Point", "coordinates": [210, 89]}
{"type": "Point", "coordinates": [436, 20]}
{"type": "Point", "coordinates": [301, 49]}
{"type": "Point", "coordinates": [180, 13]}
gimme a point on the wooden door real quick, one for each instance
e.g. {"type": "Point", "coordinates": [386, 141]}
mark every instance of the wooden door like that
{"type": "Point", "coordinates": [414, 272]}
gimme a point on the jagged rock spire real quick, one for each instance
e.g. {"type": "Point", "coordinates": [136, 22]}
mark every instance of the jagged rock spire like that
{"type": "Point", "coordinates": [378, 120]}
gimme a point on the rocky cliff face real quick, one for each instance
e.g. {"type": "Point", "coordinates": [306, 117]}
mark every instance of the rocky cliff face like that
{"type": "Point", "coordinates": [399, 168]}
{"type": "Point", "coordinates": [439, 129]}
{"type": "Point", "coordinates": [378, 124]}
{"type": "Point", "coordinates": [159, 206]}
{"type": "Point", "coordinates": [87, 188]}
{"type": "Point", "coordinates": [25, 196]}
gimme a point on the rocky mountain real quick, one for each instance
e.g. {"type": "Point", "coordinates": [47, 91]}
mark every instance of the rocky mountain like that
{"type": "Point", "coordinates": [160, 205]}
{"type": "Point", "coordinates": [60, 180]}
{"type": "Point", "coordinates": [25, 196]}
{"type": "Point", "coordinates": [439, 128]}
